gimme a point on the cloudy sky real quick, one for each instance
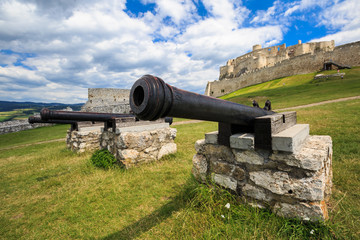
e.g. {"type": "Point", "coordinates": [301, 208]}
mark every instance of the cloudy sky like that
{"type": "Point", "coordinates": [52, 51]}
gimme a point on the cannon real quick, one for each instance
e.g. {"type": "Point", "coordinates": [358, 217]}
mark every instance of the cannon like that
{"type": "Point", "coordinates": [151, 98]}
{"type": "Point", "coordinates": [73, 124]}
{"type": "Point", "coordinates": [109, 119]}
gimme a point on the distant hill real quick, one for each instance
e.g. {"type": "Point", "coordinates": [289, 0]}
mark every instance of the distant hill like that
{"type": "Point", "coordinates": [22, 110]}
{"type": "Point", "coordinates": [6, 106]}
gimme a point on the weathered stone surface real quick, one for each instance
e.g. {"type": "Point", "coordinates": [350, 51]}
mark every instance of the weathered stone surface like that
{"type": "Point", "coordinates": [134, 147]}
{"type": "Point", "coordinates": [313, 211]}
{"type": "Point", "coordinates": [225, 181]}
{"type": "Point", "coordinates": [218, 153]}
{"type": "Point", "coordinates": [243, 141]}
{"type": "Point", "coordinates": [128, 154]}
{"type": "Point", "coordinates": [168, 148]}
{"type": "Point", "coordinates": [256, 193]}
{"type": "Point", "coordinates": [290, 140]}
{"type": "Point", "coordinates": [314, 153]}
{"type": "Point", "coordinates": [221, 168]}
{"type": "Point", "coordinates": [248, 156]}
{"type": "Point", "coordinates": [199, 146]}
{"type": "Point", "coordinates": [238, 173]}
{"type": "Point", "coordinates": [310, 189]}
{"type": "Point", "coordinates": [211, 137]}
{"type": "Point", "coordinates": [200, 167]}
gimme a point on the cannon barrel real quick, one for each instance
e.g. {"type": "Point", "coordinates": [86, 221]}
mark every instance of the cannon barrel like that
{"type": "Point", "coordinates": [34, 119]}
{"type": "Point", "coordinates": [151, 98]}
{"type": "Point", "coordinates": [74, 124]}
{"type": "Point", "coordinates": [47, 114]}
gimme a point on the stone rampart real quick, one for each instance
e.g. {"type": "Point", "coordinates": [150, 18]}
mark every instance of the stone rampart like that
{"type": "Point", "coordinates": [107, 100]}
{"type": "Point", "coordinates": [348, 54]}
{"type": "Point", "coordinates": [294, 179]}
{"type": "Point", "coordinates": [19, 125]}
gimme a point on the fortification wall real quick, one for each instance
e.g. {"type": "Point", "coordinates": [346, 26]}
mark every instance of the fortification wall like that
{"type": "Point", "coordinates": [348, 54]}
{"type": "Point", "coordinates": [19, 125]}
{"type": "Point", "coordinates": [107, 100]}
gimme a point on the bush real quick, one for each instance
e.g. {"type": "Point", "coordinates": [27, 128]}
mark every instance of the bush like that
{"type": "Point", "coordinates": [103, 159]}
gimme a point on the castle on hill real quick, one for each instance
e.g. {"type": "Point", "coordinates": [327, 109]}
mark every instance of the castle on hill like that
{"type": "Point", "coordinates": [265, 64]}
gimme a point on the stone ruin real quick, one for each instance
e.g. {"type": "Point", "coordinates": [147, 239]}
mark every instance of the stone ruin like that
{"type": "Point", "coordinates": [293, 179]}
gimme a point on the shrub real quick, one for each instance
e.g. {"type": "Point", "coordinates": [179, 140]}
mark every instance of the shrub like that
{"type": "Point", "coordinates": [103, 159]}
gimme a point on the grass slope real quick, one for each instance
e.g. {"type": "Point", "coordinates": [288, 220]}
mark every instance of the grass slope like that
{"type": "Point", "coordinates": [48, 192]}
{"type": "Point", "coordinates": [299, 90]}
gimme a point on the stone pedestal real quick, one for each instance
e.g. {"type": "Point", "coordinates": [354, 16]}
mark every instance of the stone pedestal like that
{"type": "Point", "coordinates": [294, 179]}
{"type": "Point", "coordinates": [86, 139]}
{"type": "Point", "coordinates": [140, 144]}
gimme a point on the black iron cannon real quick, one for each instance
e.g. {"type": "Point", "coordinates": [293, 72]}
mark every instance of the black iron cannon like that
{"type": "Point", "coordinates": [151, 98]}
{"type": "Point", "coordinates": [74, 124]}
{"type": "Point", "coordinates": [109, 119]}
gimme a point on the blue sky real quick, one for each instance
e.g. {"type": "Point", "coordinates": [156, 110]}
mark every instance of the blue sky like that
{"type": "Point", "coordinates": [52, 51]}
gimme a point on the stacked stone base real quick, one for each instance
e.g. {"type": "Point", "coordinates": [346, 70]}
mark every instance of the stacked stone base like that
{"type": "Point", "coordinates": [140, 144]}
{"type": "Point", "coordinates": [294, 182]}
{"type": "Point", "coordinates": [86, 139]}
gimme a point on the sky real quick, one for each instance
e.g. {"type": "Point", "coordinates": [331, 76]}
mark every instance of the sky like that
{"type": "Point", "coordinates": [53, 51]}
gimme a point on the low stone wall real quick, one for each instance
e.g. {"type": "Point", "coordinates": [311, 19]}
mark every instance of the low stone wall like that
{"type": "Point", "coordinates": [140, 144]}
{"type": "Point", "coordinates": [294, 182]}
{"type": "Point", "coordinates": [19, 125]}
{"type": "Point", "coordinates": [86, 139]}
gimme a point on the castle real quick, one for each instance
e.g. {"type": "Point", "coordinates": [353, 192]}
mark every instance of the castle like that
{"type": "Point", "coordinates": [265, 64]}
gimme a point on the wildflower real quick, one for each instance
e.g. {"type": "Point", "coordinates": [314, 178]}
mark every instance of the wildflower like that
{"type": "Point", "coordinates": [312, 231]}
{"type": "Point", "coordinates": [222, 216]}
{"type": "Point", "coordinates": [227, 205]}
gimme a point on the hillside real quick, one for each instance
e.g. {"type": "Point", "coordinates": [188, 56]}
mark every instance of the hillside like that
{"type": "Point", "coordinates": [21, 110]}
{"type": "Point", "coordinates": [299, 89]}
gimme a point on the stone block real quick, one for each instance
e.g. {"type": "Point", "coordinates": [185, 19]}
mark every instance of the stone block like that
{"type": "Point", "coordinates": [290, 139]}
{"type": "Point", "coordinates": [256, 193]}
{"type": "Point", "coordinates": [243, 141]}
{"type": "Point", "coordinates": [211, 137]}
{"type": "Point", "coordinates": [200, 167]}
{"type": "Point", "coordinates": [248, 156]}
{"type": "Point", "coordinates": [224, 181]}
{"type": "Point", "coordinates": [221, 168]}
{"type": "Point", "coordinates": [313, 155]}
{"type": "Point", "coordinates": [313, 211]}
{"type": "Point", "coordinates": [199, 146]}
{"type": "Point", "coordinates": [238, 173]}
{"type": "Point", "coordinates": [218, 153]}
{"type": "Point", "coordinates": [142, 128]}
{"type": "Point", "coordinates": [309, 188]}
{"type": "Point", "coordinates": [168, 148]}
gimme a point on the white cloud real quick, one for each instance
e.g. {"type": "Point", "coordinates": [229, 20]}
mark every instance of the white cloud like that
{"type": "Point", "coordinates": [86, 43]}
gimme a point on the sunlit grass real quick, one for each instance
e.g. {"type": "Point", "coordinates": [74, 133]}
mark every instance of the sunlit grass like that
{"type": "Point", "coordinates": [299, 90]}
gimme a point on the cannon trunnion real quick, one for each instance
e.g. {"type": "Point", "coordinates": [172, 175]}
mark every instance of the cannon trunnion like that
{"type": "Point", "coordinates": [151, 98]}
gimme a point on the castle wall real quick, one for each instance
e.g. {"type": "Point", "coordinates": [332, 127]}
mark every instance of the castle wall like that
{"type": "Point", "coordinates": [107, 100]}
{"type": "Point", "coordinates": [348, 54]}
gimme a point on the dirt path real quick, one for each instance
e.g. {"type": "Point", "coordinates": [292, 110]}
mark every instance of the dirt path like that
{"type": "Point", "coordinates": [30, 144]}
{"type": "Point", "coordinates": [319, 103]}
{"type": "Point", "coordinates": [198, 121]}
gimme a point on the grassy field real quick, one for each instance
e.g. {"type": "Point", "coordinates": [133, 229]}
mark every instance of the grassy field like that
{"type": "Point", "coordinates": [299, 90]}
{"type": "Point", "coordinates": [48, 192]}
{"type": "Point", "coordinates": [18, 114]}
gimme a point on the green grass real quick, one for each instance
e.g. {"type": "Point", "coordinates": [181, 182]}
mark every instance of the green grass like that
{"type": "Point", "coordinates": [48, 192]}
{"type": "Point", "coordinates": [299, 90]}
{"type": "Point", "coordinates": [33, 135]}
{"type": "Point", "coordinates": [17, 114]}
